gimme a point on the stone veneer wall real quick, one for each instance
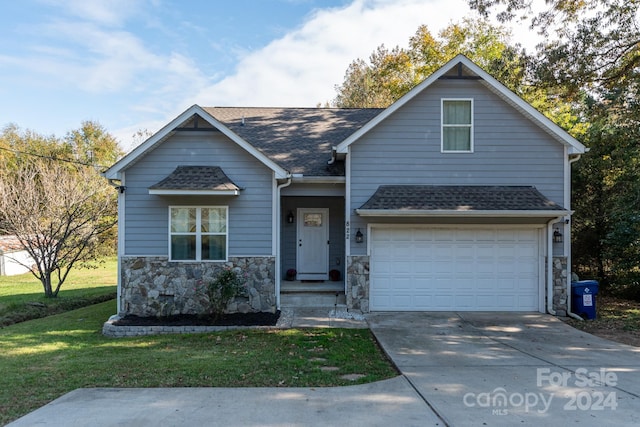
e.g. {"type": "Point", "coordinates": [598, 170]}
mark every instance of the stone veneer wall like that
{"type": "Point", "coordinates": [358, 283]}
{"type": "Point", "coordinates": [154, 286]}
{"type": "Point", "coordinates": [560, 273]}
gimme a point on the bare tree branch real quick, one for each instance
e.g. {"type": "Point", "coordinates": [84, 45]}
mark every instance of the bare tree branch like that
{"type": "Point", "coordinates": [59, 213]}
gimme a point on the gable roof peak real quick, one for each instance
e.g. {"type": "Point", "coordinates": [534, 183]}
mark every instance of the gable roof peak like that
{"type": "Point", "coordinates": [114, 172]}
{"type": "Point", "coordinates": [574, 146]}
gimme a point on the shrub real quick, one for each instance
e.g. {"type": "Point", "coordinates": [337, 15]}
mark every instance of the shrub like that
{"type": "Point", "coordinates": [223, 289]}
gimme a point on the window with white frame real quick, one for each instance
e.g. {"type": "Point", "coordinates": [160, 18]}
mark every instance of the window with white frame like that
{"type": "Point", "coordinates": [457, 125]}
{"type": "Point", "coordinates": [198, 233]}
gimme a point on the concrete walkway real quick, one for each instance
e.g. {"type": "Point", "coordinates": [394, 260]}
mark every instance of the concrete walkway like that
{"type": "Point", "coordinates": [458, 369]}
{"type": "Point", "coordinates": [386, 403]}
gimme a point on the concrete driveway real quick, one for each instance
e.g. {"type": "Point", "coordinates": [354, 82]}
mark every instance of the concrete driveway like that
{"type": "Point", "coordinates": [511, 369]}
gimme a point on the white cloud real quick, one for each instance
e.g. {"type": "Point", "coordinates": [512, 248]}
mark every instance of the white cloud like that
{"type": "Point", "coordinates": [302, 68]}
{"type": "Point", "coordinates": [103, 12]}
{"type": "Point", "coordinates": [299, 69]}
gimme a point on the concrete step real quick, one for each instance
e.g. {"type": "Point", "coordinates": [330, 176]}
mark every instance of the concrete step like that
{"type": "Point", "coordinates": [309, 286]}
{"type": "Point", "coordinates": [307, 299]}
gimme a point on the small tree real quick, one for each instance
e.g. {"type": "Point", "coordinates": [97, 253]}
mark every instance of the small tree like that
{"type": "Point", "coordinates": [60, 213]}
{"type": "Point", "coordinates": [223, 289]}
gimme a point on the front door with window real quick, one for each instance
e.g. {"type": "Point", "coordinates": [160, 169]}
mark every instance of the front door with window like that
{"type": "Point", "coordinates": [313, 244]}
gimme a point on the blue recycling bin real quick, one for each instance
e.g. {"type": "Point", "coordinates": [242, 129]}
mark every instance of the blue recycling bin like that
{"type": "Point", "coordinates": [583, 298]}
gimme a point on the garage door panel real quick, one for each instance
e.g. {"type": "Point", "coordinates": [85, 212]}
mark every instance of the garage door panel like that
{"type": "Point", "coordinates": [465, 301]}
{"type": "Point", "coordinates": [454, 269]}
{"type": "Point", "coordinates": [403, 284]}
{"type": "Point", "coordinates": [486, 267]}
{"type": "Point", "coordinates": [486, 284]}
{"type": "Point", "coordinates": [423, 267]}
{"type": "Point", "coordinates": [442, 302]}
{"type": "Point", "coordinates": [443, 235]}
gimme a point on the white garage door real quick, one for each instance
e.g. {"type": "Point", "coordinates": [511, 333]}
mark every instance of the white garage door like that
{"type": "Point", "coordinates": [461, 269]}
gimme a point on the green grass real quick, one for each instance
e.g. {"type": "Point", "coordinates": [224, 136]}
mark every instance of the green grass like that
{"type": "Point", "coordinates": [22, 297]}
{"type": "Point", "coordinates": [43, 359]}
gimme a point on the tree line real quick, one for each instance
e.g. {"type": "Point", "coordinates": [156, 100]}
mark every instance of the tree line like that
{"type": "Point", "coordinates": [54, 200]}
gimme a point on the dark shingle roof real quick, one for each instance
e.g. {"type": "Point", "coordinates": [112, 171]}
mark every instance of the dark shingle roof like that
{"type": "Point", "coordinates": [210, 178]}
{"type": "Point", "coordinates": [459, 198]}
{"type": "Point", "coordinates": [298, 139]}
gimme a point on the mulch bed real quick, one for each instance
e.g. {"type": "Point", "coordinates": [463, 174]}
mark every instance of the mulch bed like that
{"type": "Point", "coordinates": [234, 319]}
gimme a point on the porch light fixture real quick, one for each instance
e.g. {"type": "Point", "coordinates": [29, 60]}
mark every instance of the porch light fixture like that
{"type": "Point", "coordinates": [290, 217]}
{"type": "Point", "coordinates": [557, 236]}
{"type": "Point", "coordinates": [359, 236]}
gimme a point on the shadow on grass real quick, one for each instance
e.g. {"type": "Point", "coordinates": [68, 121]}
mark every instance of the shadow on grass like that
{"type": "Point", "coordinates": [23, 307]}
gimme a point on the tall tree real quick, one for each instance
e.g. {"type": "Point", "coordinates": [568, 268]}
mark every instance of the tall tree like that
{"type": "Point", "coordinates": [590, 44]}
{"type": "Point", "coordinates": [92, 144]}
{"type": "Point", "coordinates": [390, 74]}
{"type": "Point", "coordinates": [591, 58]}
{"type": "Point", "coordinates": [54, 199]}
{"type": "Point", "coordinates": [59, 213]}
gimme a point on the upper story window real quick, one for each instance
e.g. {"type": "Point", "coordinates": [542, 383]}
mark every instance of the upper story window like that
{"type": "Point", "coordinates": [457, 126]}
{"type": "Point", "coordinates": [198, 233]}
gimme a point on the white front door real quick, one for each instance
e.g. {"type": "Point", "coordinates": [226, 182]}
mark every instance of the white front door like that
{"type": "Point", "coordinates": [313, 244]}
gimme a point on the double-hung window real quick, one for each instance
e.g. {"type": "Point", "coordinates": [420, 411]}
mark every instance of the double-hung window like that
{"type": "Point", "coordinates": [457, 125]}
{"type": "Point", "coordinates": [198, 233]}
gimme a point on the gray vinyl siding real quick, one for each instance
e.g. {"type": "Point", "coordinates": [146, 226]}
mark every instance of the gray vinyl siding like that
{"type": "Point", "coordinates": [405, 148]}
{"type": "Point", "coordinates": [146, 216]}
{"type": "Point", "coordinates": [336, 230]}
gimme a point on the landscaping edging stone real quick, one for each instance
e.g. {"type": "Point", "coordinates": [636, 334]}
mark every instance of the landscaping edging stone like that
{"type": "Point", "coordinates": [113, 331]}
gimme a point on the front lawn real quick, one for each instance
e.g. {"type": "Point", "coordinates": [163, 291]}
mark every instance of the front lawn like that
{"type": "Point", "coordinates": [22, 297]}
{"type": "Point", "coordinates": [43, 359]}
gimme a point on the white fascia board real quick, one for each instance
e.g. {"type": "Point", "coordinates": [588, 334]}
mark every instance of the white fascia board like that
{"type": "Point", "coordinates": [167, 130]}
{"type": "Point", "coordinates": [463, 213]}
{"type": "Point", "coordinates": [195, 192]}
{"type": "Point", "coordinates": [575, 146]}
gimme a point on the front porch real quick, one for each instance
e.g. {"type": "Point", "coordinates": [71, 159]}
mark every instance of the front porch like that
{"type": "Point", "coordinates": [313, 246]}
{"type": "Point", "coordinates": [303, 293]}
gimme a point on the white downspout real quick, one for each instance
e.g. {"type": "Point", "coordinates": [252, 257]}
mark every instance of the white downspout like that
{"type": "Point", "coordinates": [278, 239]}
{"type": "Point", "coordinates": [121, 240]}
{"type": "Point", "coordinates": [569, 260]}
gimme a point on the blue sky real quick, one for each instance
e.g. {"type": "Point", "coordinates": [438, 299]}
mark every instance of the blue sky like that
{"type": "Point", "coordinates": [136, 64]}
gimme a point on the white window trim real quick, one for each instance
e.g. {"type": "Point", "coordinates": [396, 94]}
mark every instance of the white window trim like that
{"type": "Point", "coordinates": [199, 233]}
{"type": "Point", "coordinates": [442, 126]}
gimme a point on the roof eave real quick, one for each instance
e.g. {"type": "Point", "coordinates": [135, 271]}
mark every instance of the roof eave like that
{"type": "Point", "coordinates": [463, 213]}
{"type": "Point", "coordinates": [167, 192]}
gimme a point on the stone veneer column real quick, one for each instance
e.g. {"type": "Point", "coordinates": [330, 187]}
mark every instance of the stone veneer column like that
{"type": "Point", "coordinates": [358, 283]}
{"type": "Point", "coordinates": [560, 285]}
{"type": "Point", "coordinates": [153, 286]}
